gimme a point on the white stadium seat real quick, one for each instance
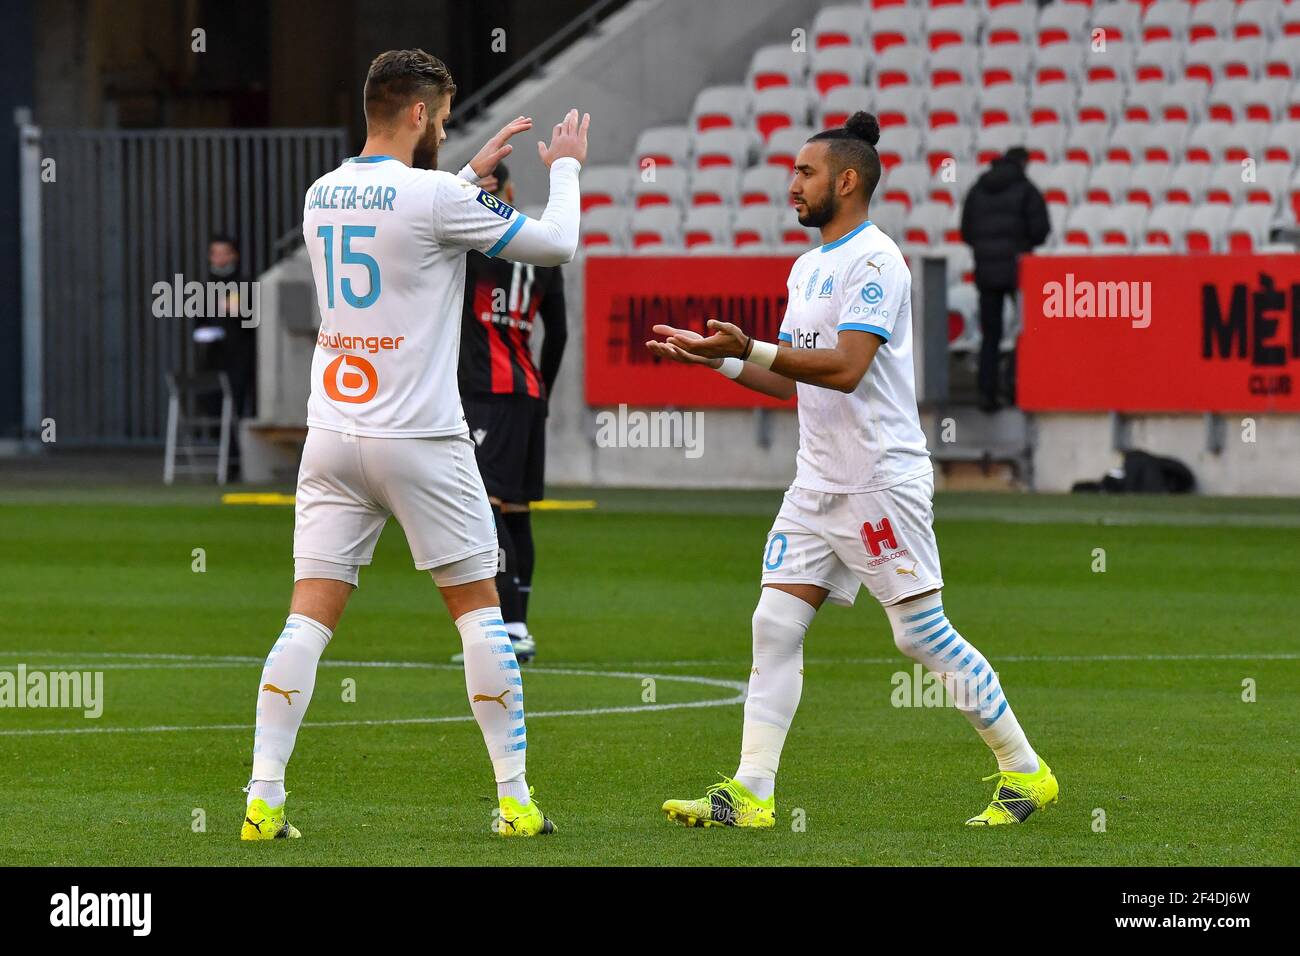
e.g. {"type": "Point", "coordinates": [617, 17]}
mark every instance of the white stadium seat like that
{"type": "Point", "coordinates": [1206, 229]}
{"type": "Point", "coordinates": [756, 225]}
{"type": "Point", "coordinates": [706, 224]}
{"type": "Point", "coordinates": [784, 146]}
{"type": "Point", "coordinates": [776, 65]}
{"type": "Point", "coordinates": [765, 186]}
{"type": "Point", "coordinates": [716, 186]}
{"type": "Point", "coordinates": [605, 226]}
{"type": "Point", "coordinates": [842, 102]}
{"type": "Point", "coordinates": [722, 147]}
{"type": "Point", "coordinates": [721, 106]}
{"type": "Point", "coordinates": [779, 107]}
{"type": "Point", "coordinates": [664, 186]}
{"type": "Point", "coordinates": [656, 226]}
{"type": "Point", "coordinates": [605, 186]}
{"type": "Point", "coordinates": [838, 66]}
{"type": "Point", "coordinates": [664, 145]}
{"type": "Point", "coordinates": [838, 26]}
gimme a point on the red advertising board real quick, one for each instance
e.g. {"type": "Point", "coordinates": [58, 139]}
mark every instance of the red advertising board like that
{"type": "Point", "coordinates": [626, 296]}
{"type": "Point", "coordinates": [1160, 333]}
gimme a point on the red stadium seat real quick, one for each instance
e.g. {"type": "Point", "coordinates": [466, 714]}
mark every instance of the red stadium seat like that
{"type": "Point", "coordinates": [706, 225]}
{"type": "Point", "coordinates": [764, 185]}
{"type": "Point", "coordinates": [897, 26]}
{"type": "Point", "coordinates": [778, 108]}
{"type": "Point", "coordinates": [656, 226]}
{"type": "Point", "coordinates": [838, 66]}
{"type": "Point", "coordinates": [605, 186]}
{"type": "Point", "coordinates": [666, 188]}
{"type": "Point", "coordinates": [719, 107]}
{"type": "Point", "coordinates": [838, 26]}
{"type": "Point", "coordinates": [605, 226]}
{"type": "Point", "coordinates": [714, 187]}
{"type": "Point", "coordinates": [1062, 23]}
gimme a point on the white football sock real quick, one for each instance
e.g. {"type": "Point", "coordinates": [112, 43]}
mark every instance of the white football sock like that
{"type": "Point", "coordinates": [775, 685]}
{"type": "Point", "coordinates": [922, 632]}
{"type": "Point", "coordinates": [496, 696]}
{"type": "Point", "coordinates": [272, 791]}
{"type": "Point", "coordinates": [517, 788]}
{"type": "Point", "coordinates": [283, 693]}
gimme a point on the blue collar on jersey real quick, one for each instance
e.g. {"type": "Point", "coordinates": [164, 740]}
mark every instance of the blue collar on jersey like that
{"type": "Point", "coordinates": [368, 159]}
{"type": "Point", "coordinates": [845, 238]}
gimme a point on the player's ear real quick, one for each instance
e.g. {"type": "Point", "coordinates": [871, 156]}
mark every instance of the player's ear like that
{"type": "Point", "coordinates": [848, 181]}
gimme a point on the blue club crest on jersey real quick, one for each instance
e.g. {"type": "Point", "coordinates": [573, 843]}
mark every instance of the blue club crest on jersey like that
{"type": "Point", "coordinates": [827, 287]}
{"type": "Point", "coordinates": [503, 210]}
{"type": "Point", "coordinates": [812, 282]}
{"type": "Point", "coordinates": [872, 293]}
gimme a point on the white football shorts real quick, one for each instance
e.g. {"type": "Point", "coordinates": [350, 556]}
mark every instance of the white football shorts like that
{"type": "Point", "coordinates": [881, 539]}
{"type": "Point", "coordinates": [348, 485]}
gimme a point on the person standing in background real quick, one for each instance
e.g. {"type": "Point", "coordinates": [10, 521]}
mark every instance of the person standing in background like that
{"type": "Point", "coordinates": [505, 394]}
{"type": "Point", "coordinates": [1003, 218]}
{"type": "Point", "coordinates": [223, 344]}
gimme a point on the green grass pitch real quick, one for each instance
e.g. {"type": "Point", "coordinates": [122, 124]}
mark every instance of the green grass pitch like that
{"type": "Point", "coordinates": [1129, 682]}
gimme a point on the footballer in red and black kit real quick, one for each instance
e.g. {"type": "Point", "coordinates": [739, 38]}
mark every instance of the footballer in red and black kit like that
{"type": "Point", "coordinates": [504, 392]}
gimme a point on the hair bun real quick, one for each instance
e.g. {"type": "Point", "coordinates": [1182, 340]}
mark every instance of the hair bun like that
{"type": "Point", "coordinates": [863, 125]}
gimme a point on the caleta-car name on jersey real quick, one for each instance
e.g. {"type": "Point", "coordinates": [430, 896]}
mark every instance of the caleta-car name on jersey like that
{"type": "Point", "coordinates": [378, 198]}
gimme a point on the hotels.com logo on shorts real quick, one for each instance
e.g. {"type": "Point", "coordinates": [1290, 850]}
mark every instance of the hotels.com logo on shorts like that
{"type": "Point", "coordinates": [350, 378]}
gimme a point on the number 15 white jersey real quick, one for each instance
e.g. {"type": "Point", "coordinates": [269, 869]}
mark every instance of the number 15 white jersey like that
{"type": "Point", "coordinates": [387, 245]}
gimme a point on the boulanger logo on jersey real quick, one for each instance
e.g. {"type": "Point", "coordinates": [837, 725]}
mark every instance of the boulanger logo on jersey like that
{"type": "Point", "coordinates": [351, 379]}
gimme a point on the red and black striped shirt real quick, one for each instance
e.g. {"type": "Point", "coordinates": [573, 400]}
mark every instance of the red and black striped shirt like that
{"type": "Point", "coordinates": [503, 302]}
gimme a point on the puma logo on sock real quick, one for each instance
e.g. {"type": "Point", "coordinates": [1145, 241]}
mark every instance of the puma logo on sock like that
{"type": "Point", "coordinates": [283, 693]}
{"type": "Point", "coordinates": [499, 698]}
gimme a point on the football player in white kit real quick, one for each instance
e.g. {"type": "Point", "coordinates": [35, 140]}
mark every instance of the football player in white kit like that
{"type": "Point", "coordinates": [859, 510]}
{"type": "Point", "coordinates": [387, 234]}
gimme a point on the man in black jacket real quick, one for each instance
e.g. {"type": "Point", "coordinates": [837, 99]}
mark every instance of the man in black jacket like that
{"type": "Point", "coordinates": [1003, 218]}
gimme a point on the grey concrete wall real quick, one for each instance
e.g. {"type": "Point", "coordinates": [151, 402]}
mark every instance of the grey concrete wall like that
{"type": "Point", "coordinates": [642, 69]}
{"type": "Point", "coordinates": [1079, 448]}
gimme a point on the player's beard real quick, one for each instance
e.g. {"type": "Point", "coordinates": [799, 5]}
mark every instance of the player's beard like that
{"type": "Point", "coordinates": [425, 155]}
{"type": "Point", "coordinates": [816, 216]}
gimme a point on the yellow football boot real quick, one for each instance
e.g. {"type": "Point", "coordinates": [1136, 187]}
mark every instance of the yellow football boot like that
{"type": "Point", "coordinates": [267, 823]}
{"type": "Point", "coordinates": [514, 820]}
{"type": "Point", "coordinates": [726, 804]}
{"type": "Point", "coordinates": [1017, 796]}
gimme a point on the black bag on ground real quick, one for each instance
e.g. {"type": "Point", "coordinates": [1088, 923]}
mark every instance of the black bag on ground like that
{"type": "Point", "coordinates": [1143, 473]}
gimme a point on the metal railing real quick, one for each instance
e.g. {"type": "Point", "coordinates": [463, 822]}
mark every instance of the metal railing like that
{"type": "Point", "coordinates": [116, 216]}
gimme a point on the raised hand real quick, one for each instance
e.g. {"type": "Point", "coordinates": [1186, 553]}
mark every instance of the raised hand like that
{"type": "Point", "coordinates": [498, 147]}
{"type": "Point", "coordinates": [669, 351]}
{"type": "Point", "coordinates": [569, 138]}
{"type": "Point", "coordinates": [727, 341]}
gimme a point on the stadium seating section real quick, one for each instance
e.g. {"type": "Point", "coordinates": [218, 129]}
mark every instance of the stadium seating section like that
{"type": "Point", "coordinates": [1165, 126]}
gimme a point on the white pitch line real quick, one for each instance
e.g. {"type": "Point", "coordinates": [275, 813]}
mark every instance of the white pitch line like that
{"type": "Point", "coordinates": [737, 686]}
{"type": "Point", "coordinates": [187, 661]}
